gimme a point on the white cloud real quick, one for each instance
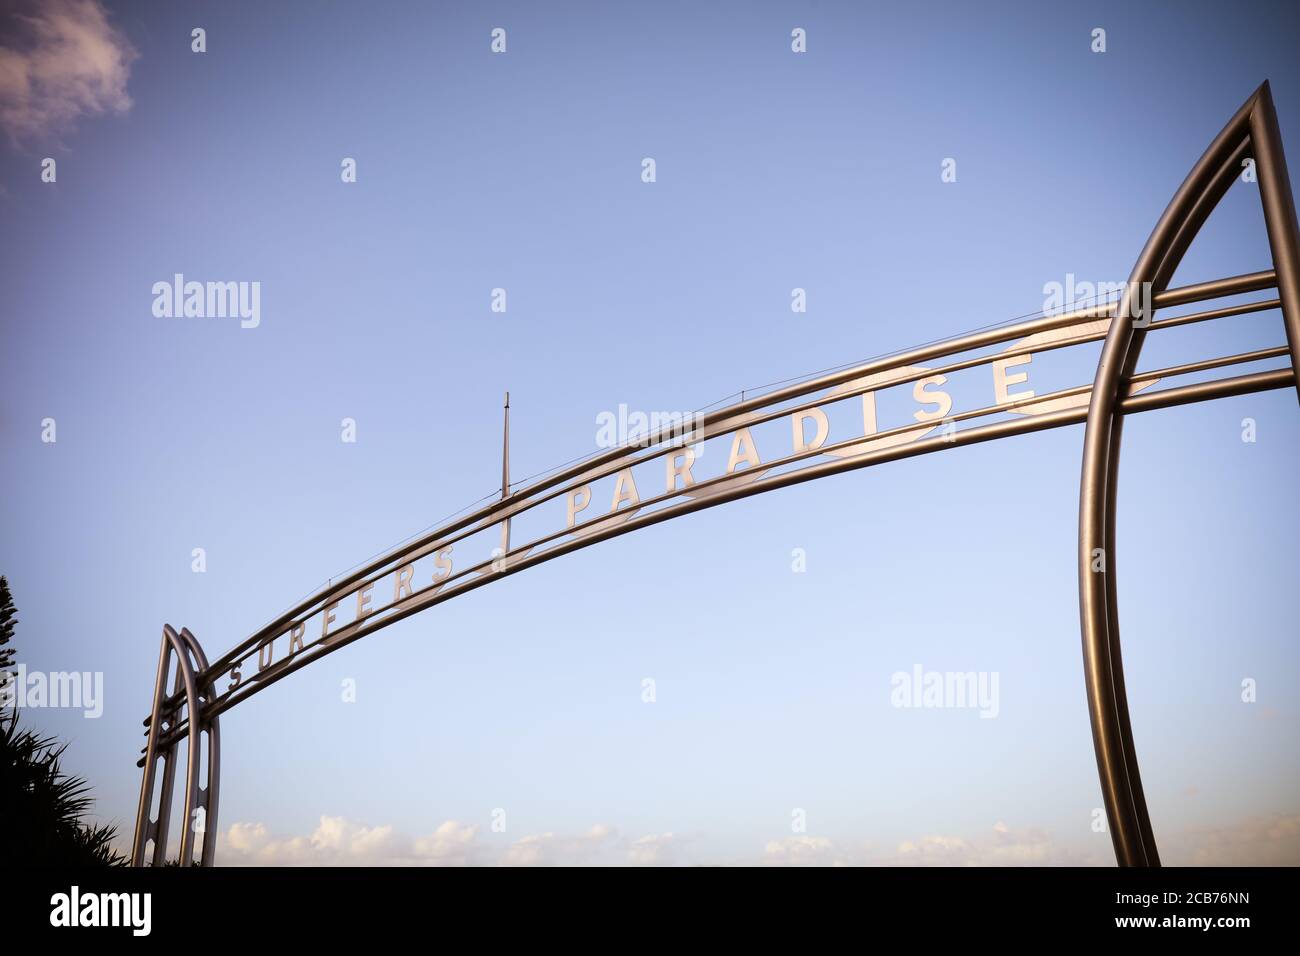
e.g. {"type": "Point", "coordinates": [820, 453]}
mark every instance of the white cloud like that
{"type": "Point", "coordinates": [803, 851]}
{"type": "Point", "coordinates": [245, 837]}
{"type": "Point", "coordinates": [337, 841]}
{"type": "Point", "coordinates": [449, 845]}
{"type": "Point", "coordinates": [61, 60]}
{"type": "Point", "coordinates": [547, 849]}
{"type": "Point", "coordinates": [653, 850]}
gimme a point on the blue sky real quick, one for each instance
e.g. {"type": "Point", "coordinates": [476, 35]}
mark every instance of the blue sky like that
{"type": "Point", "coordinates": [522, 171]}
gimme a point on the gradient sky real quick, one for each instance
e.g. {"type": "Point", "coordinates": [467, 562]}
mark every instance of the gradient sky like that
{"type": "Point", "coordinates": [522, 171]}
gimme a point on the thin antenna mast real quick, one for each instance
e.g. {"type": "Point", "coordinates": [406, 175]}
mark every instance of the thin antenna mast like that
{"type": "Point", "coordinates": [505, 484]}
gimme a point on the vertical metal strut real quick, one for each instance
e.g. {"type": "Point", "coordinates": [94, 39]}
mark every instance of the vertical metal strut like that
{"type": "Point", "coordinates": [1279, 215]}
{"type": "Point", "coordinates": [207, 797]}
{"type": "Point", "coordinates": [1254, 127]}
{"type": "Point", "coordinates": [505, 483]}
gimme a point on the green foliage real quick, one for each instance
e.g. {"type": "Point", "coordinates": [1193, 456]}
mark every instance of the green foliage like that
{"type": "Point", "coordinates": [44, 805]}
{"type": "Point", "coordinates": [41, 806]}
{"type": "Point", "coordinates": [8, 618]}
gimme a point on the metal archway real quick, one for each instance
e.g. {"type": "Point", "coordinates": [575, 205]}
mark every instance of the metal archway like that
{"type": "Point", "coordinates": [194, 705]}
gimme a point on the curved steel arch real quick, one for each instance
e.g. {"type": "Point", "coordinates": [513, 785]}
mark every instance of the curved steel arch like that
{"type": "Point", "coordinates": [1253, 127]}
{"type": "Point", "coordinates": [194, 705]}
{"type": "Point", "coordinates": [191, 663]}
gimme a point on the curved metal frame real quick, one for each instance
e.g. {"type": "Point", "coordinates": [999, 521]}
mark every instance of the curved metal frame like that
{"type": "Point", "coordinates": [1254, 125]}
{"type": "Point", "coordinates": [190, 663]}
{"type": "Point", "coordinates": [194, 704]}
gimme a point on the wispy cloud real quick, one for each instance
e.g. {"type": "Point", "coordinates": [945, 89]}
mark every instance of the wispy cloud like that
{"type": "Point", "coordinates": [60, 61]}
{"type": "Point", "coordinates": [1258, 841]}
{"type": "Point", "coordinates": [1270, 841]}
{"type": "Point", "coordinates": [1001, 846]}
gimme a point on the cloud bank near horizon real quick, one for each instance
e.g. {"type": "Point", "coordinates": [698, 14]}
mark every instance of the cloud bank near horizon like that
{"type": "Point", "coordinates": [337, 841]}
